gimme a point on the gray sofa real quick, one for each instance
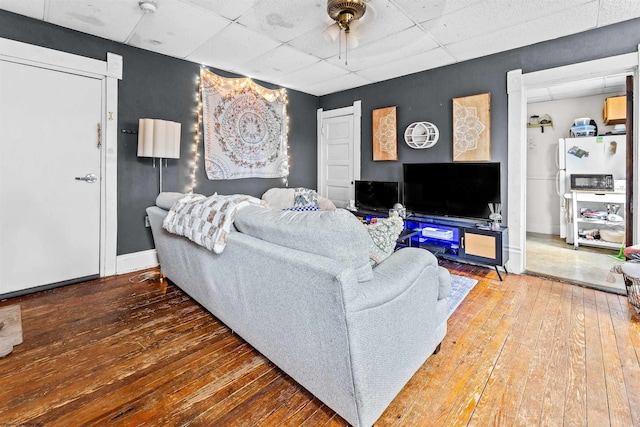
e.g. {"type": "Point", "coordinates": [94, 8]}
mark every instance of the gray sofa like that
{"type": "Point", "coordinates": [299, 288]}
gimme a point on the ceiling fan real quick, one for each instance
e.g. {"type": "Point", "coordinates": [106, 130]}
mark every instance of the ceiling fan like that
{"type": "Point", "coordinates": [346, 14]}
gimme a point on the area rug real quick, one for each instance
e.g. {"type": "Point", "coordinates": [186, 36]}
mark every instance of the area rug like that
{"type": "Point", "coordinates": [10, 328]}
{"type": "Point", "coordinates": [460, 287]}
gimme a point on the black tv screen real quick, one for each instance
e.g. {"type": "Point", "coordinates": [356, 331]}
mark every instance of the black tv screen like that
{"type": "Point", "coordinates": [377, 196]}
{"type": "Point", "coordinates": [451, 189]}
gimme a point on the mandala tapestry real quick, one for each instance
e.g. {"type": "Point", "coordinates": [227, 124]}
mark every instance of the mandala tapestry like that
{"type": "Point", "coordinates": [471, 128]}
{"type": "Point", "coordinates": [245, 128]}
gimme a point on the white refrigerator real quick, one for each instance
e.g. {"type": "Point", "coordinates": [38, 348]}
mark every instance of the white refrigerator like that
{"type": "Point", "coordinates": [586, 155]}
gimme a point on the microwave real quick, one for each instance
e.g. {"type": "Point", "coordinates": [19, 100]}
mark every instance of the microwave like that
{"type": "Point", "coordinates": [595, 182]}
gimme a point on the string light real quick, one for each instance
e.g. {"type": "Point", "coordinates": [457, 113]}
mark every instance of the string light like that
{"type": "Point", "coordinates": [196, 136]}
{"type": "Point", "coordinates": [207, 77]}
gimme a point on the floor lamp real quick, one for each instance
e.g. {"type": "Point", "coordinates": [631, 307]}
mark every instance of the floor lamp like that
{"type": "Point", "coordinates": [159, 139]}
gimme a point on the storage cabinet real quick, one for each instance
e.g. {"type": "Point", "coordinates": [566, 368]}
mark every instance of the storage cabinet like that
{"type": "Point", "coordinates": [483, 246]}
{"type": "Point", "coordinates": [583, 221]}
{"type": "Point", "coordinates": [461, 241]}
{"type": "Point", "coordinates": [453, 239]}
{"type": "Point", "coordinates": [614, 111]}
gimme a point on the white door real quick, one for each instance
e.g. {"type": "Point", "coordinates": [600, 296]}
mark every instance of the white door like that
{"type": "Point", "coordinates": [339, 153]}
{"type": "Point", "coordinates": [49, 220]}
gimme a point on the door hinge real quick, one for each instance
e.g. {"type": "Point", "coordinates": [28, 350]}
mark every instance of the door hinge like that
{"type": "Point", "coordinates": [99, 135]}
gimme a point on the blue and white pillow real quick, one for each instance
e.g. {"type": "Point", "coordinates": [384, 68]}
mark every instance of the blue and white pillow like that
{"type": "Point", "coordinates": [305, 197]}
{"type": "Point", "coordinates": [302, 208]}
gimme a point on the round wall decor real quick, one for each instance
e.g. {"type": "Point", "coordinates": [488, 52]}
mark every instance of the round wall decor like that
{"type": "Point", "coordinates": [421, 135]}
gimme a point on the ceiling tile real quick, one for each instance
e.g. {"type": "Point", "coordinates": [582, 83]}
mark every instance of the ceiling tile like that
{"type": "Point", "coordinates": [177, 29]}
{"type": "Point", "coordinates": [490, 16]}
{"type": "Point", "coordinates": [409, 42]}
{"type": "Point", "coordinates": [310, 76]}
{"type": "Point", "coordinates": [112, 20]}
{"type": "Point", "coordinates": [534, 31]}
{"type": "Point", "coordinates": [31, 8]}
{"type": "Point", "coordinates": [226, 8]}
{"type": "Point", "coordinates": [409, 65]}
{"type": "Point", "coordinates": [282, 60]}
{"type": "Point", "coordinates": [349, 81]}
{"type": "Point", "coordinates": [612, 11]}
{"type": "Point", "coordinates": [231, 46]}
{"type": "Point", "coordinates": [284, 20]}
{"type": "Point", "coordinates": [381, 19]}
{"type": "Point", "coordinates": [316, 42]}
{"type": "Point", "coordinates": [431, 10]}
{"type": "Point", "coordinates": [390, 42]}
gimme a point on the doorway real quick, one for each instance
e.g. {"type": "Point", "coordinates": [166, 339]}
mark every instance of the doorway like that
{"type": "Point", "coordinates": [522, 90]}
{"type": "Point", "coordinates": [104, 76]}
{"type": "Point", "coordinates": [339, 152]}
{"type": "Point", "coordinates": [550, 238]}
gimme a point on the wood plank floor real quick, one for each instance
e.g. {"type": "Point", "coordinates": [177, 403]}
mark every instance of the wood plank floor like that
{"type": "Point", "coordinates": [527, 351]}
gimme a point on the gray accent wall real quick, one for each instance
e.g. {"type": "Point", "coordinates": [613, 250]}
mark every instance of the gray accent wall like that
{"type": "Point", "coordinates": [162, 87]}
{"type": "Point", "coordinates": [427, 96]}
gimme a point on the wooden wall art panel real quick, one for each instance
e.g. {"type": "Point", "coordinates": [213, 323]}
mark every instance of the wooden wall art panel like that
{"type": "Point", "coordinates": [385, 134]}
{"type": "Point", "coordinates": [472, 128]}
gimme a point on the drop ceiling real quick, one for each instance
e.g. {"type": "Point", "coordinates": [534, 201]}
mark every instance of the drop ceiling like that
{"type": "Point", "coordinates": [285, 41]}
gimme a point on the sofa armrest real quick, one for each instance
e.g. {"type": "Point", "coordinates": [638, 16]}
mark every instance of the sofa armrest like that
{"type": "Point", "coordinates": [396, 275]}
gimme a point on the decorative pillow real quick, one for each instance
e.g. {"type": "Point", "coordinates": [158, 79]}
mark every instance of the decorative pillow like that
{"type": "Point", "coordinates": [207, 221]}
{"type": "Point", "coordinates": [302, 208]}
{"type": "Point", "coordinates": [384, 233]}
{"type": "Point", "coordinates": [305, 197]}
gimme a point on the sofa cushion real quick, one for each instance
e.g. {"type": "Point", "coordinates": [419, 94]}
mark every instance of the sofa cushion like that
{"type": "Point", "coordinates": [334, 234]}
{"type": "Point", "coordinates": [384, 233]}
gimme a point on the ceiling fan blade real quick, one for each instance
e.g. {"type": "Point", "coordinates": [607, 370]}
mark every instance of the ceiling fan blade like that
{"type": "Point", "coordinates": [332, 32]}
{"type": "Point", "coordinates": [352, 42]}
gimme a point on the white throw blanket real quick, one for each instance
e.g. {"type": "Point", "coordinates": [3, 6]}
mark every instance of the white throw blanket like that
{"type": "Point", "coordinates": [204, 220]}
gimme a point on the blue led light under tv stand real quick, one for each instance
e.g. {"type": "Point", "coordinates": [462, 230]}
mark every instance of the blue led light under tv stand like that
{"type": "Point", "coordinates": [454, 239]}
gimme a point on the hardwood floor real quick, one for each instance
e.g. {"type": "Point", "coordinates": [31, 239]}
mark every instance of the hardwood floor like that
{"type": "Point", "coordinates": [526, 351]}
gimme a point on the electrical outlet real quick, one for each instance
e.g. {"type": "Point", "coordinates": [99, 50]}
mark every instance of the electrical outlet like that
{"type": "Point", "coordinates": [146, 221]}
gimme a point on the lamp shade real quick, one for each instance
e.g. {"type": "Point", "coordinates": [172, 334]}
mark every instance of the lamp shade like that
{"type": "Point", "coordinates": [159, 138]}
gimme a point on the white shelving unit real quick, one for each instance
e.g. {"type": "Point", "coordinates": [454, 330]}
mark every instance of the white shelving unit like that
{"type": "Point", "coordinates": [596, 201]}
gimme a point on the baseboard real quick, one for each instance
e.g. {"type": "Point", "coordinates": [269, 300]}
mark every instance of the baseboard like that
{"type": "Point", "coordinates": [136, 261]}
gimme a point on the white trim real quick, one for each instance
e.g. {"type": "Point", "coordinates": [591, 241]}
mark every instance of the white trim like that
{"type": "Point", "coordinates": [517, 86]}
{"type": "Point", "coordinates": [516, 176]}
{"type": "Point", "coordinates": [109, 193]}
{"type": "Point", "coordinates": [109, 72]}
{"type": "Point", "coordinates": [357, 125]}
{"type": "Point", "coordinates": [23, 53]}
{"type": "Point", "coordinates": [137, 261]}
{"type": "Point", "coordinates": [319, 147]}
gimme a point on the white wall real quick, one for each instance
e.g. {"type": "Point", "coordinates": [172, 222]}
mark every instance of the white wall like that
{"type": "Point", "coordinates": [543, 202]}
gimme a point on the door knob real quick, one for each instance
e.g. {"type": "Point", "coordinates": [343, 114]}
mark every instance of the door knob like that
{"type": "Point", "coordinates": [90, 178]}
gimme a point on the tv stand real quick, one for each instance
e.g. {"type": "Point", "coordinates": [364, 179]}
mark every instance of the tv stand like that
{"type": "Point", "coordinates": [456, 239]}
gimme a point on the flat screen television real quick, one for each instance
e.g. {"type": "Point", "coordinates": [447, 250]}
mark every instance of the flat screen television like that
{"type": "Point", "coordinates": [378, 196]}
{"type": "Point", "coordinates": [461, 190]}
